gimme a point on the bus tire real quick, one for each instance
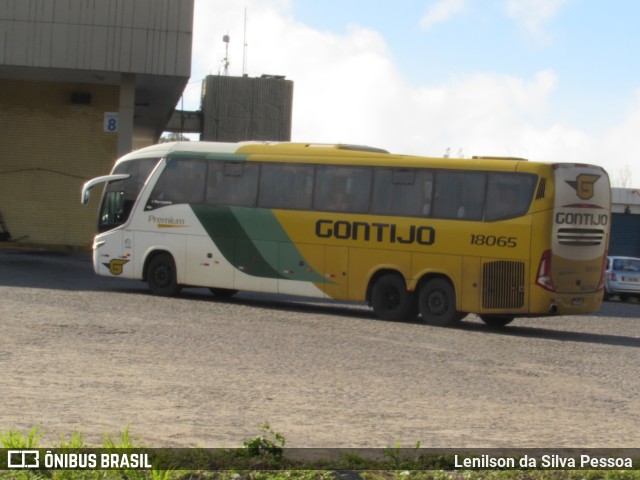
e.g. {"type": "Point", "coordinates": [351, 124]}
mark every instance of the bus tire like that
{"type": "Point", "coordinates": [496, 321]}
{"type": "Point", "coordinates": [223, 293]}
{"type": "Point", "coordinates": [437, 303]}
{"type": "Point", "coordinates": [391, 300]}
{"type": "Point", "coordinates": [161, 276]}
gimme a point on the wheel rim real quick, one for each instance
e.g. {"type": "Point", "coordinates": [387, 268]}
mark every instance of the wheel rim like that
{"type": "Point", "coordinates": [162, 276]}
{"type": "Point", "coordinates": [391, 299]}
{"type": "Point", "coordinates": [437, 302]}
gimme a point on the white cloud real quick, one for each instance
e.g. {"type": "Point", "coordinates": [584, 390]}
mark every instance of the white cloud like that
{"type": "Point", "coordinates": [347, 89]}
{"type": "Point", "coordinates": [441, 11]}
{"type": "Point", "coordinates": [532, 15]}
{"type": "Point", "coordinates": [620, 149]}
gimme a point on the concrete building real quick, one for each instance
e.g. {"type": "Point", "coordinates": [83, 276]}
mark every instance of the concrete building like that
{"type": "Point", "coordinates": [241, 108]}
{"type": "Point", "coordinates": [235, 109]}
{"type": "Point", "coordinates": [625, 222]}
{"type": "Point", "coordinates": [81, 82]}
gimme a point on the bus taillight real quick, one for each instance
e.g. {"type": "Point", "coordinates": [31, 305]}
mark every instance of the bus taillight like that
{"type": "Point", "coordinates": [544, 272]}
{"type": "Point", "coordinates": [603, 272]}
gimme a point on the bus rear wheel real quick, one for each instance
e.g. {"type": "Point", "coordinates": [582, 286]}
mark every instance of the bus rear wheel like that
{"type": "Point", "coordinates": [496, 321]}
{"type": "Point", "coordinates": [437, 302]}
{"type": "Point", "coordinates": [161, 276]}
{"type": "Point", "coordinates": [391, 300]}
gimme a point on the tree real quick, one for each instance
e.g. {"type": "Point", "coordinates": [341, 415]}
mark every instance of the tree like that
{"type": "Point", "coordinates": [623, 177]}
{"type": "Point", "coordinates": [173, 137]}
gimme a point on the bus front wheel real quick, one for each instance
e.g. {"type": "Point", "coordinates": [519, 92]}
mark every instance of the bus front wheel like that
{"type": "Point", "coordinates": [391, 300]}
{"type": "Point", "coordinates": [437, 302]}
{"type": "Point", "coordinates": [161, 276]}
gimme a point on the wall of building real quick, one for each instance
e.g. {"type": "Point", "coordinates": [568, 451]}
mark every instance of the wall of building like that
{"type": "Point", "coordinates": [625, 222]}
{"type": "Point", "coordinates": [236, 109]}
{"type": "Point", "coordinates": [50, 147]}
{"type": "Point", "coordinates": [139, 36]}
{"type": "Point", "coordinates": [131, 58]}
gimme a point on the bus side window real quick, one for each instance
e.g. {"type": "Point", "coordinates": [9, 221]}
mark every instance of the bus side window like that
{"type": "Point", "coordinates": [459, 195]}
{"type": "Point", "coordinates": [232, 183]}
{"type": "Point", "coordinates": [182, 181]}
{"type": "Point", "coordinates": [402, 192]}
{"type": "Point", "coordinates": [510, 195]}
{"type": "Point", "coordinates": [286, 186]}
{"type": "Point", "coordinates": [342, 189]}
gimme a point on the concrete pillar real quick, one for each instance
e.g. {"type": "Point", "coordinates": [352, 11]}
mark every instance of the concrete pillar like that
{"type": "Point", "coordinates": [125, 113]}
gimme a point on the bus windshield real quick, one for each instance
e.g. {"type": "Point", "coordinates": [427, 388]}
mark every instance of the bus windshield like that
{"type": "Point", "coordinates": [120, 195]}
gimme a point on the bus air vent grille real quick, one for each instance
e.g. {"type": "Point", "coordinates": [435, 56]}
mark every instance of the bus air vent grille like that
{"type": "Point", "coordinates": [503, 284]}
{"type": "Point", "coordinates": [580, 237]}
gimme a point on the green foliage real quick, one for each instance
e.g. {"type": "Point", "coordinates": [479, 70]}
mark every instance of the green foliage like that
{"type": "Point", "coordinates": [76, 441]}
{"type": "Point", "coordinates": [262, 458]}
{"type": "Point", "coordinates": [14, 440]}
{"type": "Point", "coordinates": [125, 440]}
{"type": "Point", "coordinates": [269, 444]}
{"type": "Point", "coordinates": [173, 137]}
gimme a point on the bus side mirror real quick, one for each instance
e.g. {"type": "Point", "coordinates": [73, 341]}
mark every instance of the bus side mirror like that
{"type": "Point", "coordinates": [86, 188]}
{"type": "Point", "coordinates": [86, 194]}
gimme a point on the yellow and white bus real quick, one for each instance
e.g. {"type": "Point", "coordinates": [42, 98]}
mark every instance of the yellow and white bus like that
{"type": "Point", "coordinates": [435, 237]}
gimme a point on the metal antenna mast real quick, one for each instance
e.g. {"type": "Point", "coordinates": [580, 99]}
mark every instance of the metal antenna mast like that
{"type": "Point", "coordinates": [244, 51]}
{"type": "Point", "coordinates": [225, 62]}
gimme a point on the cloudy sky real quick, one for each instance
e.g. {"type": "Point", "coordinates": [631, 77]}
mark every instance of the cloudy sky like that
{"type": "Point", "coordinates": [549, 80]}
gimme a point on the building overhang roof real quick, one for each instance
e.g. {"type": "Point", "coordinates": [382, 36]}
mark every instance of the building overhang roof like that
{"type": "Point", "coordinates": [155, 95]}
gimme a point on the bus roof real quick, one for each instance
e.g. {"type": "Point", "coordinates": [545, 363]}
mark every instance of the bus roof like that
{"type": "Point", "coordinates": [331, 153]}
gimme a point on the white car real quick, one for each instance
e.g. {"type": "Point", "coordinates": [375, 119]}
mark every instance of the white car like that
{"type": "Point", "coordinates": [622, 277]}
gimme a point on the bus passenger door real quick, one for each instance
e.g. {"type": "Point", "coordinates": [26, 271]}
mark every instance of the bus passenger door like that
{"type": "Point", "coordinates": [336, 262]}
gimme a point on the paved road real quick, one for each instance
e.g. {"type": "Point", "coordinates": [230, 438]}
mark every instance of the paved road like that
{"type": "Point", "coordinates": [85, 353]}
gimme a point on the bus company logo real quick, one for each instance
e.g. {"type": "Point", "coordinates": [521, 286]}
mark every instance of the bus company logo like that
{"type": "Point", "coordinates": [115, 266]}
{"type": "Point", "coordinates": [23, 459]}
{"type": "Point", "coordinates": [584, 185]}
{"type": "Point", "coordinates": [166, 222]}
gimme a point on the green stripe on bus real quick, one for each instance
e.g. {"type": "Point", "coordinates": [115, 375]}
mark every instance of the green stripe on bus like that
{"type": "Point", "coordinates": [253, 241]}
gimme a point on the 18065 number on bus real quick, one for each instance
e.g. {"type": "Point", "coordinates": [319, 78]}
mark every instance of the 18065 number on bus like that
{"type": "Point", "coordinates": [494, 241]}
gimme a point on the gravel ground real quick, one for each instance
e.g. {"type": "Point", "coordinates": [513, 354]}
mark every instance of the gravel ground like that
{"type": "Point", "coordinates": [84, 353]}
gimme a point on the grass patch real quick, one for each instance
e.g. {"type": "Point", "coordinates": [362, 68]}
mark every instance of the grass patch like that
{"type": "Point", "coordinates": [263, 458]}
